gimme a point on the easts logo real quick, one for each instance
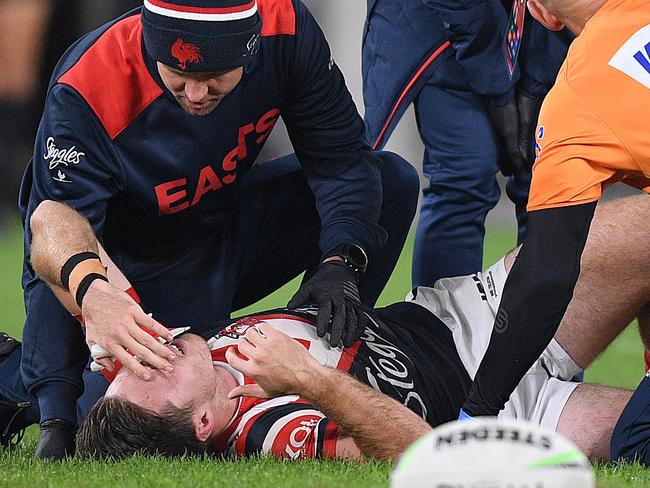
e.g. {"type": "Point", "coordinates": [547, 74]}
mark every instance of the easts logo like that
{"type": "Point", "coordinates": [174, 196]}
{"type": "Point", "coordinates": [186, 52]}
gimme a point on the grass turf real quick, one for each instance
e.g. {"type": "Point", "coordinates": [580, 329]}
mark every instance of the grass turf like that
{"type": "Point", "coordinates": [621, 365]}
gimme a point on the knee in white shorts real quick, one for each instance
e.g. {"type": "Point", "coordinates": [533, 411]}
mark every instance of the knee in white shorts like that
{"type": "Point", "coordinates": [543, 392]}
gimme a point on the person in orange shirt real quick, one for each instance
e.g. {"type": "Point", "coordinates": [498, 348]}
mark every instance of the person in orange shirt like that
{"type": "Point", "coordinates": [593, 131]}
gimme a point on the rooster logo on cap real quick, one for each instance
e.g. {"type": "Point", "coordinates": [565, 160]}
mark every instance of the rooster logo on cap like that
{"type": "Point", "coordinates": [186, 52]}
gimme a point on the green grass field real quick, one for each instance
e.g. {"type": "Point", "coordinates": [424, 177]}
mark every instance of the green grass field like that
{"type": "Point", "coordinates": [621, 365]}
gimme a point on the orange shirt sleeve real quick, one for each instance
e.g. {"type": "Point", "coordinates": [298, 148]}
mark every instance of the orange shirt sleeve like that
{"type": "Point", "coordinates": [593, 127]}
{"type": "Point", "coordinates": [577, 153]}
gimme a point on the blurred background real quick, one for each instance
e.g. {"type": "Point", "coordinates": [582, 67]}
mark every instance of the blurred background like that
{"type": "Point", "coordinates": [34, 34]}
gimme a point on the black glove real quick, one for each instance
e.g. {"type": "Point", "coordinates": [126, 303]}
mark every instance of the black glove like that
{"type": "Point", "coordinates": [334, 289]}
{"type": "Point", "coordinates": [528, 107]}
{"type": "Point", "coordinates": [505, 119]}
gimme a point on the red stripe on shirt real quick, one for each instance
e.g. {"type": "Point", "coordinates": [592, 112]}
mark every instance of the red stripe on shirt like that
{"type": "Point", "coordinates": [408, 87]}
{"type": "Point", "coordinates": [347, 357]}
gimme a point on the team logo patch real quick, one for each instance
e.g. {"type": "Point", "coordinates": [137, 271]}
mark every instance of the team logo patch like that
{"type": "Point", "coordinates": [253, 45]}
{"type": "Point", "coordinates": [186, 52]}
{"type": "Point", "coordinates": [633, 58]}
{"type": "Point", "coordinates": [57, 157]}
{"type": "Point", "coordinates": [61, 177]}
{"type": "Point", "coordinates": [239, 328]}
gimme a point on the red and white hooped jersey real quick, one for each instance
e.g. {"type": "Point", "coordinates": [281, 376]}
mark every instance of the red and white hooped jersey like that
{"type": "Point", "coordinates": [405, 352]}
{"type": "Point", "coordinates": [285, 426]}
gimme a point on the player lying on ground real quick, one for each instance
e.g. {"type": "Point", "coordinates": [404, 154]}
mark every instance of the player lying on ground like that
{"type": "Point", "coordinates": [418, 357]}
{"type": "Point", "coordinates": [152, 128]}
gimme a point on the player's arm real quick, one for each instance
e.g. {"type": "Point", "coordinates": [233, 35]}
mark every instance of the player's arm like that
{"type": "Point", "coordinates": [535, 297]}
{"type": "Point", "coordinates": [378, 426]}
{"type": "Point", "coordinates": [65, 254]}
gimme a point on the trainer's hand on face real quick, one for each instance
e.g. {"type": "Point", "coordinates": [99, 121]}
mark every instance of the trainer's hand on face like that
{"type": "Point", "coordinates": [114, 321]}
{"type": "Point", "coordinates": [278, 364]}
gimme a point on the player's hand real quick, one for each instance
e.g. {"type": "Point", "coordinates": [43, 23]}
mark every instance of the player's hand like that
{"type": "Point", "coordinates": [114, 321]}
{"type": "Point", "coordinates": [505, 119]}
{"type": "Point", "coordinates": [279, 364]}
{"type": "Point", "coordinates": [334, 289]}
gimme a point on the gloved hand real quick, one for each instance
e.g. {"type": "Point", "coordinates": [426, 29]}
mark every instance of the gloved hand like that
{"type": "Point", "coordinates": [505, 119]}
{"type": "Point", "coordinates": [528, 107]}
{"type": "Point", "coordinates": [334, 289]}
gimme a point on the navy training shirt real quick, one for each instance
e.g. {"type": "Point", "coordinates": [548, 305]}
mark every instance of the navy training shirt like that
{"type": "Point", "coordinates": [115, 145]}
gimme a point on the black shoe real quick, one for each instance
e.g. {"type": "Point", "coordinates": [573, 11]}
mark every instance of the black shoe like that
{"type": "Point", "coordinates": [57, 440]}
{"type": "Point", "coordinates": [12, 414]}
{"type": "Point", "coordinates": [12, 422]}
{"type": "Point", "coordinates": [7, 345]}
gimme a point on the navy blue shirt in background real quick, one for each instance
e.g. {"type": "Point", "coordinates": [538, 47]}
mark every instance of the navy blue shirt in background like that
{"type": "Point", "coordinates": [153, 180]}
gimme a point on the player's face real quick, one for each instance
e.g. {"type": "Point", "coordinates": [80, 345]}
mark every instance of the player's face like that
{"type": "Point", "coordinates": [199, 93]}
{"type": "Point", "coordinates": [193, 380]}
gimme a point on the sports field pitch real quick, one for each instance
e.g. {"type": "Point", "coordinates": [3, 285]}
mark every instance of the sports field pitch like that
{"type": "Point", "coordinates": [621, 365]}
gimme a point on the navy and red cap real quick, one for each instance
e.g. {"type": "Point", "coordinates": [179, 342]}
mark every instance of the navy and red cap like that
{"type": "Point", "coordinates": [201, 35]}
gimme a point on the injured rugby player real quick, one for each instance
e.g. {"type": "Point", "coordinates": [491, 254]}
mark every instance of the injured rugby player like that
{"type": "Point", "coordinates": [266, 384]}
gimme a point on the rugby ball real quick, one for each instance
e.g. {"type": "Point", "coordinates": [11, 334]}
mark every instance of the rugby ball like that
{"type": "Point", "coordinates": [491, 453]}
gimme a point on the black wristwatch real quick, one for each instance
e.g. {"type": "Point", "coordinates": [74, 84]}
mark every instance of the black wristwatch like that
{"type": "Point", "coordinates": [354, 256]}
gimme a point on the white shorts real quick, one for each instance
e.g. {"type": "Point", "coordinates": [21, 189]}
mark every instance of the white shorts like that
{"type": "Point", "coordinates": [468, 306]}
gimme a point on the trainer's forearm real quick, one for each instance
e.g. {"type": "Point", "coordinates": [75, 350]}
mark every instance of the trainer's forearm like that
{"type": "Point", "coordinates": [535, 297]}
{"type": "Point", "coordinates": [58, 232]}
{"type": "Point", "coordinates": [381, 427]}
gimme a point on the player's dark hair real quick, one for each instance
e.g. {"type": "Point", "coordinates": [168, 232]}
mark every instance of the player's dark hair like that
{"type": "Point", "coordinates": [116, 428]}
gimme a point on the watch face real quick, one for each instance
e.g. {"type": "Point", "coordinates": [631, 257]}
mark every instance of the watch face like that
{"type": "Point", "coordinates": [357, 257]}
{"type": "Point", "coordinates": [354, 256]}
